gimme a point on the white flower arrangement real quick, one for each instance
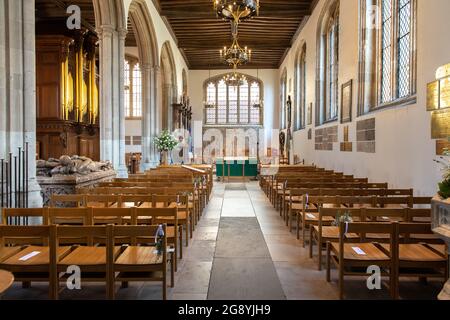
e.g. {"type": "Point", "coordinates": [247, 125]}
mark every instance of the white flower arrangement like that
{"type": "Point", "coordinates": [165, 142]}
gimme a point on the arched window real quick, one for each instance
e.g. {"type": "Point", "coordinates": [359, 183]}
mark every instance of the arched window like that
{"type": "Point", "coordinates": [233, 105]}
{"type": "Point", "coordinates": [283, 100]}
{"type": "Point", "coordinates": [387, 59]}
{"type": "Point", "coordinates": [328, 65]}
{"type": "Point", "coordinates": [300, 89]}
{"type": "Point", "coordinates": [133, 89]}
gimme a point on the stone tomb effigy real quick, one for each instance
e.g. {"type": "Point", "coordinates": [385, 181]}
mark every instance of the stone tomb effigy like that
{"type": "Point", "coordinates": [66, 174]}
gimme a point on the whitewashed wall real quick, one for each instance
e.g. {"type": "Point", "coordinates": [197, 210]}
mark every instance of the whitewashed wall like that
{"type": "Point", "coordinates": [404, 148]}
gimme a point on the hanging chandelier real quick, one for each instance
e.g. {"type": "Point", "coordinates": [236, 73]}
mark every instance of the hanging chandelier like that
{"type": "Point", "coordinates": [235, 79]}
{"type": "Point", "coordinates": [236, 55]}
{"type": "Point", "coordinates": [237, 10]}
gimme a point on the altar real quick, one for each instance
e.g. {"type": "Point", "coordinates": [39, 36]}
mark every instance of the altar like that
{"type": "Point", "coordinates": [236, 167]}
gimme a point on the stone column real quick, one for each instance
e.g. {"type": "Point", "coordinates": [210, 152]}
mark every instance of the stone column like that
{"type": "Point", "coordinates": [112, 113]}
{"type": "Point", "coordinates": [150, 114]}
{"type": "Point", "coordinates": [122, 170]}
{"type": "Point", "coordinates": [105, 34]}
{"type": "Point", "coordinates": [18, 86]}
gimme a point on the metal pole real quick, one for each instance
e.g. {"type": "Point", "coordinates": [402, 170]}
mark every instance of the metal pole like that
{"type": "Point", "coordinates": [19, 178]}
{"type": "Point", "coordinates": [1, 181]}
{"type": "Point", "coordinates": [10, 180]}
{"type": "Point", "coordinates": [6, 184]}
{"type": "Point", "coordinates": [26, 175]}
{"type": "Point", "coordinates": [23, 177]}
{"type": "Point", "coordinates": [15, 187]}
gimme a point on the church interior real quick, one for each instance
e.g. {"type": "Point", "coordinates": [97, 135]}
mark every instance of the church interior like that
{"type": "Point", "coordinates": [224, 150]}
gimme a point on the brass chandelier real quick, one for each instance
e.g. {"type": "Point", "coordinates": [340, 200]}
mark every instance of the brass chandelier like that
{"type": "Point", "coordinates": [236, 10]}
{"type": "Point", "coordinates": [235, 55]}
{"type": "Point", "coordinates": [235, 79]}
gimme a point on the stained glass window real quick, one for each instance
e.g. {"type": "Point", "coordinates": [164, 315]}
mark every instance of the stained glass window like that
{"type": "Point", "coordinates": [386, 56]}
{"type": "Point", "coordinates": [300, 90]}
{"type": "Point", "coordinates": [255, 112]}
{"type": "Point", "coordinates": [404, 48]}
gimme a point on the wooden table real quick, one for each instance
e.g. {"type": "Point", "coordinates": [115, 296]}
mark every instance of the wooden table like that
{"type": "Point", "coordinates": [6, 281]}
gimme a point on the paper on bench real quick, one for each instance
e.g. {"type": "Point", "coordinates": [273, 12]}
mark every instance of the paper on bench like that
{"type": "Point", "coordinates": [359, 251]}
{"type": "Point", "coordinates": [310, 215]}
{"type": "Point", "coordinates": [29, 256]}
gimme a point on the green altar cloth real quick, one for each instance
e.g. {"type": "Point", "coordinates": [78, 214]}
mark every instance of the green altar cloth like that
{"type": "Point", "coordinates": [236, 167]}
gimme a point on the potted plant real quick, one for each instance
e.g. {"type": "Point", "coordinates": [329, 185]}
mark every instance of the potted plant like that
{"type": "Point", "coordinates": [165, 143]}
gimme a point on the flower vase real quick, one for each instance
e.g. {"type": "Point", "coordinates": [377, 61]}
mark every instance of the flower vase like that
{"type": "Point", "coordinates": [165, 158]}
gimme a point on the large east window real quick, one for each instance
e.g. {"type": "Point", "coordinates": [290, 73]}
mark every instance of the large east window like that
{"type": "Point", "coordinates": [133, 89]}
{"type": "Point", "coordinates": [233, 104]}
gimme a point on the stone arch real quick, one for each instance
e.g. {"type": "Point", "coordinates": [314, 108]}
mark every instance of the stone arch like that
{"type": "Point", "coordinates": [145, 34]}
{"type": "Point", "coordinates": [111, 22]}
{"type": "Point", "coordinates": [168, 81]}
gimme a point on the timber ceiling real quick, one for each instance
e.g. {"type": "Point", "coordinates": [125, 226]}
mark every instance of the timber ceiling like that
{"type": "Point", "coordinates": [200, 34]}
{"type": "Point", "coordinates": [52, 13]}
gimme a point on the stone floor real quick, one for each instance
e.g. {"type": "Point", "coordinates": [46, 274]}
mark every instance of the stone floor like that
{"type": "Point", "coordinates": [276, 249]}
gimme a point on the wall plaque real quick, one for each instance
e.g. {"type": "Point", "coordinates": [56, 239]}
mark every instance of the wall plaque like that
{"type": "Point", "coordinates": [443, 71]}
{"type": "Point", "coordinates": [444, 93]}
{"type": "Point", "coordinates": [346, 102]}
{"type": "Point", "coordinates": [433, 96]}
{"type": "Point", "coordinates": [440, 124]}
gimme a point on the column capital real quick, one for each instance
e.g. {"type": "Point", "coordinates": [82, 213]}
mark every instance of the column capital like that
{"type": "Point", "coordinates": [122, 33]}
{"type": "Point", "coordinates": [105, 30]}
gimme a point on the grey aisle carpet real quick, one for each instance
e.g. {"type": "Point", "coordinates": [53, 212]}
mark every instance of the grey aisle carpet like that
{"type": "Point", "coordinates": [242, 267]}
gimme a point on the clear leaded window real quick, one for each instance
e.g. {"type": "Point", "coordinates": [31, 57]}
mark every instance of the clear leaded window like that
{"type": "Point", "coordinates": [332, 56]}
{"type": "Point", "coordinates": [232, 105]}
{"type": "Point", "coordinates": [133, 89]}
{"type": "Point", "coordinates": [388, 53]}
{"type": "Point", "coordinates": [300, 89]}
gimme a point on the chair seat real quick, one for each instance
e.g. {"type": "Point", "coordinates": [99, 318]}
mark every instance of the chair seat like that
{"type": "Point", "coordinates": [314, 217]}
{"type": "Point", "coordinates": [332, 232]}
{"type": "Point", "coordinates": [139, 256]}
{"type": "Point", "coordinates": [297, 206]}
{"type": "Point", "coordinates": [416, 252]}
{"type": "Point", "coordinates": [42, 258]}
{"type": "Point", "coordinates": [6, 252]}
{"type": "Point", "coordinates": [372, 252]}
{"type": "Point", "coordinates": [441, 248]}
{"type": "Point", "coordinates": [87, 256]}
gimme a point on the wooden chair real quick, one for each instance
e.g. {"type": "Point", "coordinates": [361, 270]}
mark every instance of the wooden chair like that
{"type": "Point", "coordinates": [320, 234]}
{"type": "Point", "coordinates": [102, 201]}
{"type": "Point", "coordinates": [92, 260]}
{"type": "Point", "coordinates": [174, 232]}
{"type": "Point", "coordinates": [140, 260]}
{"type": "Point", "coordinates": [67, 200]}
{"type": "Point", "coordinates": [70, 216]}
{"type": "Point", "coordinates": [12, 216]}
{"type": "Point", "coordinates": [416, 258]}
{"type": "Point", "coordinates": [31, 263]}
{"type": "Point", "coordinates": [351, 257]}
{"type": "Point", "coordinates": [181, 202]}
